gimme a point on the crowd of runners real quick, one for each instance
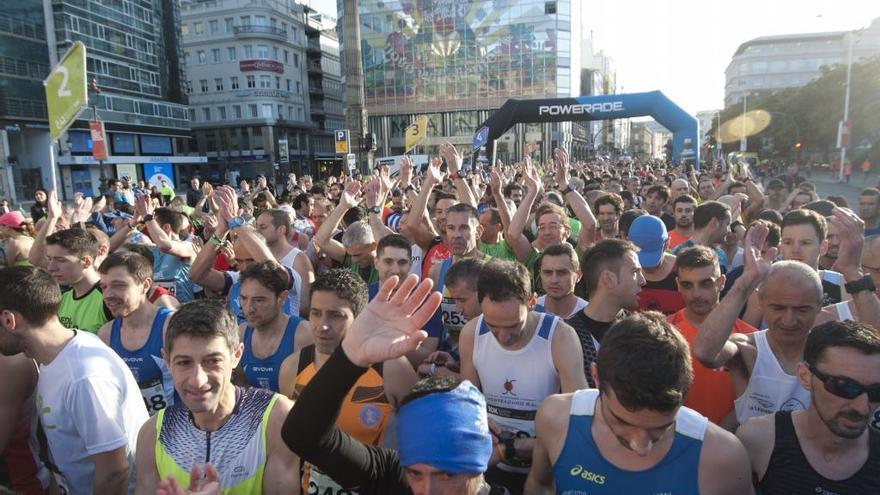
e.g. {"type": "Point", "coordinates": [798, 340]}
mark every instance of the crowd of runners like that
{"type": "Point", "coordinates": [553, 326]}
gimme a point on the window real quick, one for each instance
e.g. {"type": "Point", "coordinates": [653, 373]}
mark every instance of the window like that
{"type": "Point", "coordinates": [273, 22]}
{"type": "Point", "coordinates": [184, 29]}
{"type": "Point", "coordinates": [284, 27]}
{"type": "Point", "coordinates": [290, 113]}
{"type": "Point", "coordinates": [277, 82]}
{"type": "Point", "coordinates": [189, 87]}
{"type": "Point", "coordinates": [236, 111]}
{"type": "Point", "coordinates": [251, 81]}
{"type": "Point", "coordinates": [267, 110]}
{"type": "Point", "coordinates": [262, 51]}
{"type": "Point", "coordinates": [215, 55]}
{"type": "Point", "coordinates": [204, 85]}
{"type": "Point", "coordinates": [201, 57]}
{"type": "Point", "coordinates": [199, 28]}
{"type": "Point", "coordinates": [550, 8]}
{"type": "Point", "coordinates": [288, 84]}
{"type": "Point", "coordinates": [213, 27]}
{"type": "Point", "coordinates": [252, 110]}
{"type": "Point", "coordinates": [265, 81]}
{"type": "Point", "coordinates": [274, 53]}
{"type": "Point", "coordinates": [229, 23]}
{"type": "Point", "coordinates": [233, 82]}
{"type": "Point", "coordinates": [221, 113]}
{"type": "Point", "coordinates": [286, 56]}
{"type": "Point", "coordinates": [248, 51]}
{"type": "Point", "coordinates": [298, 87]}
{"type": "Point", "coordinates": [245, 20]}
{"type": "Point", "coordinates": [206, 114]}
{"type": "Point", "coordinates": [296, 59]}
{"type": "Point", "coordinates": [280, 111]}
{"type": "Point", "coordinates": [218, 83]}
{"type": "Point", "coordinates": [260, 20]}
{"type": "Point", "coordinates": [230, 53]}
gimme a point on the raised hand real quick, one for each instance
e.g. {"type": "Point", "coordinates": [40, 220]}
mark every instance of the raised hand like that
{"type": "Point", "coordinates": [372, 192]}
{"type": "Point", "coordinates": [207, 189]}
{"type": "Point", "coordinates": [350, 197]}
{"type": "Point", "coordinates": [391, 325]}
{"type": "Point", "coordinates": [82, 208]}
{"type": "Point", "coordinates": [560, 158]}
{"type": "Point", "coordinates": [53, 206]}
{"type": "Point", "coordinates": [851, 232]}
{"type": "Point", "coordinates": [496, 181]}
{"type": "Point", "coordinates": [143, 206]}
{"type": "Point", "coordinates": [530, 177]}
{"type": "Point", "coordinates": [453, 158]}
{"type": "Point", "coordinates": [406, 170]}
{"type": "Point", "coordinates": [756, 266]}
{"type": "Point", "coordinates": [433, 175]}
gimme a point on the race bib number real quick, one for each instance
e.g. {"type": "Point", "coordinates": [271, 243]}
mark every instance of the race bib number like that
{"type": "Point", "coordinates": [169, 285]}
{"type": "Point", "coordinates": [453, 320]}
{"type": "Point", "coordinates": [154, 396]}
{"type": "Point", "coordinates": [321, 484]}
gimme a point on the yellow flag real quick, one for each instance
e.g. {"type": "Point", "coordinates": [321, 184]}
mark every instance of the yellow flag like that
{"type": "Point", "coordinates": [416, 133]}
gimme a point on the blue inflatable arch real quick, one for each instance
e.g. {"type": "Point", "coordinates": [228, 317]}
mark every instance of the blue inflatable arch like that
{"type": "Point", "coordinates": [684, 127]}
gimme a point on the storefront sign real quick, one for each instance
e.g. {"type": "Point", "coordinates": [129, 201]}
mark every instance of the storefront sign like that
{"type": "Point", "coordinates": [261, 65]}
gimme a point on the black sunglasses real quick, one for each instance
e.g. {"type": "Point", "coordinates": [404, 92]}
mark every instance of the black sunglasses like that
{"type": "Point", "coordinates": [846, 388]}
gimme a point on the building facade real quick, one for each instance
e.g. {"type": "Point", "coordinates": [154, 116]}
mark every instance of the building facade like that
{"type": "Point", "coordinates": [771, 63]}
{"type": "Point", "coordinates": [458, 61]}
{"type": "Point", "coordinates": [133, 55]}
{"type": "Point", "coordinates": [246, 72]}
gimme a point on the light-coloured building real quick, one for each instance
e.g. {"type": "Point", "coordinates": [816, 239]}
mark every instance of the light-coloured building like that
{"type": "Point", "coordinates": [707, 119]}
{"type": "Point", "coordinates": [247, 74]}
{"type": "Point", "coordinates": [641, 140]}
{"type": "Point", "coordinates": [771, 63]}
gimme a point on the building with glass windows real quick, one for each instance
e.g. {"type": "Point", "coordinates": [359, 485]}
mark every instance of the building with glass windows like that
{"type": "Point", "coordinates": [132, 54]}
{"type": "Point", "coordinates": [259, 74]}
{"type": "Point", "coordinates": [771, 63]}
{"type": "Point", "coordinates": [457, 61]}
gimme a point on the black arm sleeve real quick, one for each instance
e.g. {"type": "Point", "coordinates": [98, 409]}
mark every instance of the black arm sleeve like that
{"type": "Point", "coordinates": [310, 431]}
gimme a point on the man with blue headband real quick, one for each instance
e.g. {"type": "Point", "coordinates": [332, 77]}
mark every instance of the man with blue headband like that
{"type": "Point", "coordinates": [444, 444]}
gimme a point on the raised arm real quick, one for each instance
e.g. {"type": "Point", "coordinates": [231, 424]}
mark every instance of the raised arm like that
{"type": "Point", "coordinates": [712, 345]}
{"type": "Point", "coordinates": [412, 225]}
{"type": "Point", "coordinates": [37, 255]}
{"type": "Point", "coordinates": [453, 160]}
{"type": "Point", "coordinates": [496, 182]}
{"type": "Point", "coordinates": [851, 230]}
{"type": "Point", "coordinates": [323, 239]}
{"type": "Point", "coordinates": [163, 241]}
{"type": "Point", "coordinates": [374, 199]}
{"type": "Point", "coordinates": [574, 199]}
{"type": "Point", "coordinates": [514, 233]}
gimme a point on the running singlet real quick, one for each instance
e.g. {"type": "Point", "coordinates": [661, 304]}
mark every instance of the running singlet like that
{"type": "Point", "coordinates": [172, 273]}
{"type": "Point", "coordinates": [263, 372]}
{"type": "Point", "coordinates": [789, 471]}
{"type": "Point", "coordinates": [581, 468]}
{"type": "Point", "coordinates": [453, 319]}
{"type": "Point", "coordinates": [85, 313]}
{"type": "Point", "coordinates": [437, 252]}
{"type": "Point", "coordinates": [238, 450]}
{"type": "Point", "coordinates": [291, 305]}
{"type": "Point", "coordinates": [364, 415]}
{"type": "Point", "coordinates": [146, 363]}
{"type": "Point", "coordinates": [516, 382]}
{"type": "Point", "coordinates": [661, 295]}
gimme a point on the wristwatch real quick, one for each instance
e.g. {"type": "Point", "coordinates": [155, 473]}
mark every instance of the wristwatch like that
{"type": "Point", "coordinates": [147, 218]}
{"type": "Point", "coordinates": [862, 284]}
{"type": "Point", "coordinates": [375, 209]}
{"type": "Point", "coordinates": [236, 222]}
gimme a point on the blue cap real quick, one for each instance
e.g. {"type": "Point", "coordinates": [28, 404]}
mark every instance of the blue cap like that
{"type": "Point", "coordinates": [649, 234]}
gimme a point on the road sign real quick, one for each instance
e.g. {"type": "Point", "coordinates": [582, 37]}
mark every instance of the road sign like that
{"type": "Point", "coordinates": [352, 161]}
{"type": "Point", "coordinates": [481, 138]}
{"type": "Point", "coordinates": [283, 152]}
{"type": "Point", "coordinates": [343, 146]}
{"type": "Point", "coordinates": [99, 144]}
{"type": "Point", "coordinates": [417, 132]}
{"type": "Point", "coordinates": [66, 89]}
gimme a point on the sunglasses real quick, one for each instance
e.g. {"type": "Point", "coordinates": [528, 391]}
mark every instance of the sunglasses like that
{"type": "Point", "coordinates": [846, 388]}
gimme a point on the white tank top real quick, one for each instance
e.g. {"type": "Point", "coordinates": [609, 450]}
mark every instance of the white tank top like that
{"type": "Point", "coordinates": [287, 260]}
{"type": "Point", "coordinates": [515, 383]}
{"type": "Point", "coordinates": [770, 388]}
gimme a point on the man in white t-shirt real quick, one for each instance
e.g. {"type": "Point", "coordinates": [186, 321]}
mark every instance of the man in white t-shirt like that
{"type": "Point", "coordinates": [89, 403]}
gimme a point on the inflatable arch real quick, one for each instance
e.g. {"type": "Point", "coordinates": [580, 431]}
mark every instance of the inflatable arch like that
{"type": "Point", "coordinates": [684, 127]}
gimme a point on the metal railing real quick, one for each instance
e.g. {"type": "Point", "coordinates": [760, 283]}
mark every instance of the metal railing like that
{"type": "Point", "coordinates": [257, 29]}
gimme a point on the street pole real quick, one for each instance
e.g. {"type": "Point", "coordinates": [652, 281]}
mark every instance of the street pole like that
{"type": "Point", "coordinates": [743, 140]}
{"type": "Point", "coordinates": [356, 114]}
{"type": "Point", "coordinates": [843, 140]}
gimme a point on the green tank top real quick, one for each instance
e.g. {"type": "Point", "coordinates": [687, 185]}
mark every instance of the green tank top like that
{"type": "Point", "coordinates": [368, 275]}
{"type": "Point", "coordinates": [238, 449]}
{"type": "Point", "coordinates": [85, 313]}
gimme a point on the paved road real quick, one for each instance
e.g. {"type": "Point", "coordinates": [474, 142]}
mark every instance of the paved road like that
{"type": "Point", "coordinates": [827, 185]}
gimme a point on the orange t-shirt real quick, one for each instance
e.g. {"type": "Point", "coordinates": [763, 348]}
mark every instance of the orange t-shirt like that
{"type": "Point", "coordinates": [675, 239]}
{"type": "Point", "coordinates": [712, 392]}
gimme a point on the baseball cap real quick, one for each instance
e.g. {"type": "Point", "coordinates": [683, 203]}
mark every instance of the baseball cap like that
{"type": "Point", "coordinates": [649, 234]}
{"type": "Point", "coordinates": [13, 219]}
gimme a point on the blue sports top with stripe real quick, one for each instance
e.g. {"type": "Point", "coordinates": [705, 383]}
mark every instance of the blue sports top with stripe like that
{"type": "Point", "coordinates": [146, 363]}
{"type": "Point", "coordinates": [581, 468]}
{"type": "Point", "coordinates": [263, 373]}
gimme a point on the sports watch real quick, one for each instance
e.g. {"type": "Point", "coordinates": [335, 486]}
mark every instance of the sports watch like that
{"type": "Point", "coordinates": [862, 284]}
{"type": "Point", "coordinates": [375, 209]}
{"type": "Point", "coordinates": [236, 222]}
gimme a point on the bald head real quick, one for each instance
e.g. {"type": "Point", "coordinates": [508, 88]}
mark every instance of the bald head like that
{"type": "Point", "coordinates": [790, 277]}
{"type": "Point", "coordinates": [678, 187]}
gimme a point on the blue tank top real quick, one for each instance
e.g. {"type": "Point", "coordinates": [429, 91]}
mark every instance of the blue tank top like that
{"type": "Point", "coordinates": [172, 273]}
{"type": "Point", "coordinates": [146, 363]}
{"type": "Point", "coordinates": [582, 469]}
{"type": "Point", "coordinates": [263, 373]}
{"type": "Point", "coordinates": [233, 297]}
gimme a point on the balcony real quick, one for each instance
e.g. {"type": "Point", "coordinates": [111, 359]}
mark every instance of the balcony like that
{"type": "Point", "coordinates": [255, 31]}
{"type": "Point", "coordinates": [315, 68]}
{"type": "Point", "coordinates": [317, 109]}
{"type": "Point", "coordinates": [314, 45]}
{"type": "Point", "coordinates": [315, 90]}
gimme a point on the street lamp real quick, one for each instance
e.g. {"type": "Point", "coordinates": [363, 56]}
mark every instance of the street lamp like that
{"type": "Point", "coordinates": [844, 127]}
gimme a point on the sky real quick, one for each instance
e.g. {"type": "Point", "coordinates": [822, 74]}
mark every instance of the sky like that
{"type": "Point", "coordinates": [682, 47]}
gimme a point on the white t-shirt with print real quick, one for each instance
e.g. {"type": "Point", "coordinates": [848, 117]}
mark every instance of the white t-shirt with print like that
{"type": "Point", "coordinates": [89, 403]}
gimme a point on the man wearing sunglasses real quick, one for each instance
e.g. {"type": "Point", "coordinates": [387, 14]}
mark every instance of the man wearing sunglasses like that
{"type": "Point", "coordinates": [828, 448]}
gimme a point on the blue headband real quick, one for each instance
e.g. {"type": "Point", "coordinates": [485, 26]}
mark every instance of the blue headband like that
{"type": "Point", "coordinates": [448, 431]}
